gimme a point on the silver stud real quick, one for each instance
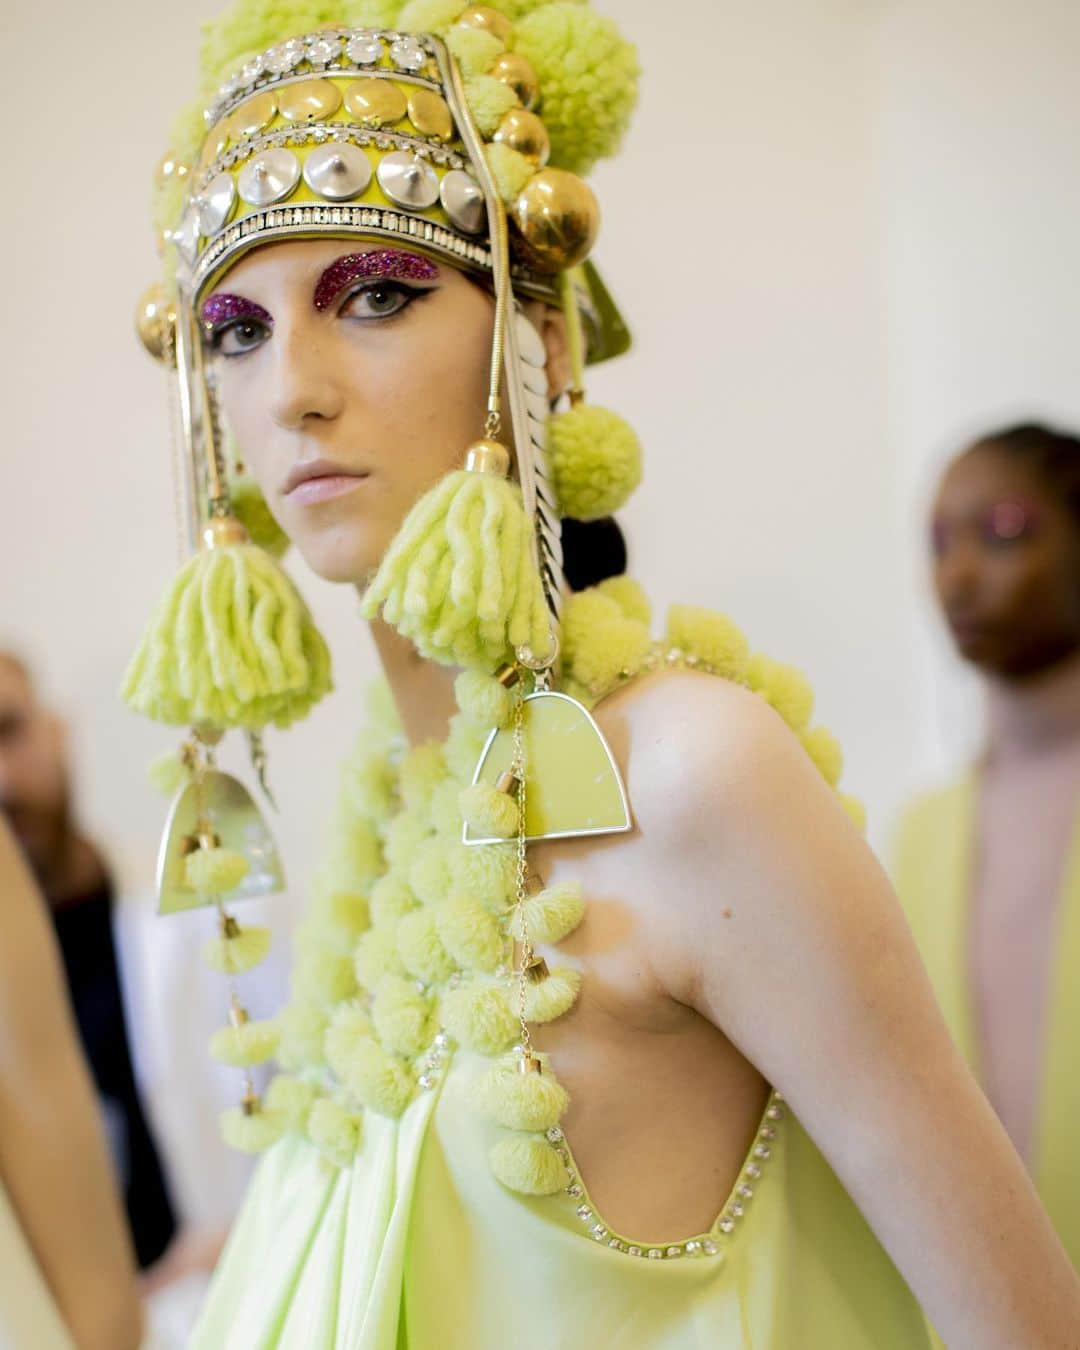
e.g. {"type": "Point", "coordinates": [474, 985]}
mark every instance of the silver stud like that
{"type": "Point", "coordinates": [442, 1040]}
{"type": "Point", "coordinates": [281, 59]}
{"type": "Point", "coordinates": [463, 199]}
{"type": "Point", "coordinates": [768, 1132]}
{"type": "Point", "coordinates": [633, 1251]}
{"type": "Point", "coordinates": [616, 1244]}
{"type": "Point", "coordinates": [363, 49]}
{"type": "Point", "coordinates": [554, 1134]}
{"type": "Point", "coordinates": [186, 234]}
{"type": "Point", "coordinates": [408, 181]}
{"type": "Point", "coordinates": [216, 203]}
{"type": "Point", "coordinates": [709, 1247]}
{"type": "Point", "coordinates": [584, 1213]}
{"type": "Point", "coordinates": [774, 1113]}
{"type": "Point", "coordinates": [269, 177]}
{"type": "Point", "coordinates": [737, 1211]}
{"type": "Point", "coordinates": [745, 1191]}
{"type": "Point", "coordinates": [599, 1232]}
{"type": "Point", "coordinates": [655, 1253]}
{"type": "Point", "coordinates": [426, 1081]}
{"type": "Point", "coordinates": [407, 54]}
{"type": "Point", "coordinates": [337, 172]}
{"type": "Point", "coordinates": [761, 1151]}
{"type": "Point", "coordinates": [727, 1225]}
{"type": "Point", "coordinates": [672, 1252]}
{"type": "Point", "coordinates": [693, 1248]}
{"type": "Point", "coordinates": [574, 1190]}
{"type": "Point", "coordinates": [753, 1171]}
{"type": "Point", "coordinates": [322, 50]}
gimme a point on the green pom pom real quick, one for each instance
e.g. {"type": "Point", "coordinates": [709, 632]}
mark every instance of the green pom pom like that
{"type": "Point", "coordinates": [339, 917]}
{"type": "Point", "coordinates": [489, 812]}
{"type": "Point", "coordinates": [517, 9]}
{"type": "Point", "coordinates": [215, 871]}
{"type": "Point", "coordinates": [519, 1101]}
{"type": "Point", "coordinates": [303, 1027]}
{"type": "Point", "coordinates": [445, 811]}
{"type": "Point", "coordinates": [251, 1132]}
{"type": "Point", "coordinates": [784, 688]}
{"type": "Point", "coordinates": [401, 1016]}
{"type": "Point", "coordinates": [589, 79]}
{"type": "Point", "coordinates": [231, 644]}
{"type": "Point", "coordinates": [245, 1045]}
{"type": "Point", "coordinates": [855, 809]}
{"type": "Point", "coordinates": [474, 50]}
{"type": "Point", "coordinates": [824, 749]}
{"type": "Point", "coordinates": [250, 508]}
{"type": "Point", "coordinates": [187, 131]}
{"type": "Point", "coordinates": [391, 898]}
{"type": "Point", "coordinates": [464, 743]}
{"type": "Point", "coordinates": [428, 874]}
{"type": "Point", "coordinates": [371, 13]}
{"type": "Point", "coordinates": [234, 955]}
{"type": "Point", "coordinates": [428, 16]}
{"type": "Point", "coordinates": [376, 1079]}
{"type": "Point", "coordinates": [355, 856]}
{"type": "Point", "coordinates": [595, 459]}
{"type": "Point", "coordinates": [552, 997]}
{"type": "Point", "coordinates": [629, 596]}
{"type": "Point", "coordinates": [528, 1164]}
{"type": "Point", "coordinates": [368, 785]}
{"type": "Point", "coordinates": [600, 645]}
{"type": "Point", "coordinates": [403, 837]}
{"type": "Point", "coordinates": [324, 975]}
{"type": "Point", "coordinates": [421, 950]}
{"type": "Point", "coordinates": [489, 101]}
{"type": "Point", "coordinates": [422, 770]}
{"type": "Point", "coordinates": [376, 955]}
{"type": "Point", "coordinates": [551, 915]}
{"type": "Point", "coordinates": [460, 580]}
{"type": "Point", "coordinates": [510, 169]}
{"type": "Point", "coordinates": [168, 773]}
{"type": "Point", "coordinates": [247, 26]}
{"type": "Point", "coordinates": [711, 638]}
{"type": "Point", "coordinates": [479, 1015]}
{"type": "Point", "coordinates": [470, 933]}
{"type": "Point", "coordinates": [291, 1099]}
{"type": "Point", "coordinates": [484, 872]}
{"type": "Point", "coordinates": [483, 699]}
{"type": "Point", "coordinates": [334, 1131]}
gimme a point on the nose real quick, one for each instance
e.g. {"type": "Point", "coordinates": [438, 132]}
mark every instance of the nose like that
{"type": "Point", "coordinates": [958, 574]}
{"type": "Point", "coordinates": [304, 383]}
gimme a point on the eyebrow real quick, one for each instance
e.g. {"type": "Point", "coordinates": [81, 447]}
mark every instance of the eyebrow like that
{"type": "Point", "coordinates": [220, 307]}
{"type": "Point", "coordinates": [386, 264]}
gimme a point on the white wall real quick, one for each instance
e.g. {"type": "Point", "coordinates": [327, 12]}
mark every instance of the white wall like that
{"type": "Point", "coordinates": [840, 230]}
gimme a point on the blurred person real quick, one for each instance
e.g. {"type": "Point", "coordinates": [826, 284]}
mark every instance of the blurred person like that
{"type": "Point", "coordinates": [988, 867]}
{"type": "Point", "coordinates": [67, 1270]}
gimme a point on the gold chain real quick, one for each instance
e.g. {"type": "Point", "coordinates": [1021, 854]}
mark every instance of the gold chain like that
{"type": "Point", "coordinates": [525, 958]}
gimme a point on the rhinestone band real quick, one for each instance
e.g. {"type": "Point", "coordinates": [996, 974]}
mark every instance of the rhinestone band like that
{"type": "Point", "coordinates": [708, 1245]}
{"type": "Point", "coordinates": [434, 1063]}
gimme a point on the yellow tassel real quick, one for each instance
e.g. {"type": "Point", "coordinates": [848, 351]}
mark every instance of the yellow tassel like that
{"type": "Point", "coordinates": [251, 1128]}
{"type": "Point", "coordinates": [334, 1131]}
{"type": "Point", "coordinates": [551, 915]}
{"type": "Point", "coordinates": [377, 1080]}
{"type": "Point", "coordinates": [479, 1015]}
{"type": "Point", "coordinates": [528, 1164]}
{"type": "Point", "coordinates": [421, 950]}
{"type": "Point", "coordinates": [484, 872]}
{"type": "Point", "coordinates": [245, 1045]}
{"type": "Point", "coordinates": [251, 510]}
{"type": "Point", "coordinates": [483, 699]}
{"type": "Point", "coordinates": [401, 1016]}
{"type": "Point", "coordinates": [168, 773]}
{"type": "Point", "coordinates": [488, 812]}
{"type": "Point", "coordinates": [291, 1099]}
{"type": "Point", "coordinates": [552, 997]}
{"type": "Point", "coordinates": [519, 1101]}
{"type": "Point", "coordinates": [237, 950]}
{"type": "Point", "coordinates": [391, 899]}
{"type": "Point", "coordinates": [470, 933]}
{"type": "Point", "coordinates": [215, 871]}
{"type": "Point", "coordinates": [376, 955]}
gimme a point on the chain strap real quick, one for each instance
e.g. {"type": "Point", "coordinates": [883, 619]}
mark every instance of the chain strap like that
{"type": "Point", "coordinates": [528, 1062]}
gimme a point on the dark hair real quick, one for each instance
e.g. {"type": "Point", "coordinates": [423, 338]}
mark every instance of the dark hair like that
{"type": "Point", "coordinates": [1053, 454]}
{"type": "Point", "coordinates": [592, 551]}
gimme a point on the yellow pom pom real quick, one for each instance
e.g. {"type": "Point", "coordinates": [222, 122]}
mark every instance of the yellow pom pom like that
{"type": "Point", "coordinates": [334, 1131]}
{"type": "Point", "coordinates": [484, 872]}
{"type": "Point", "coordinates": [168, 773]}
{"type": "Point", "coordinates": [552, 997]}
{"type": "Point", "coordinates": [709, 637]}
{"type": "Point", "coordinates": [215, 871]}
{"type": "Point", "coordinates": [251, 1132]}
{"type": "Point", "coordinates": [377, 955]}
{"type": "Point", "coordinates": [595, 459]}
{"type": "Point", "coordinates": [245, 1045]}
{"type": "Point", "coordinates": [474, 50]}
{"type": "Point", "coordinates": [629, 596]}
{"type": "Point", "coordinates": [428, 16]}
{"type": "Point", "coordinates": [528, 1164]}
{"type": "Point", "coordinates": [428, 874]}
{"type": "Point", "coordinates": [489, 813]}
{"type": "Point", "coordinates": [464, 743]}
{"type": "Point", "coordinates": [824, 749]}
{"type": "Point", "coordinates": [479, 1015]}
{"type": "Point", "coordinates": [551, 915]}
{"type": "Point", "coordinates": [291, 1099]}
{"type": "Point", "coordinates": [421, 950]}
{"type": "Point", "coordinates": [370, 788]}
{"type": "Point", "coordinates": [483, 699]}
{"type": "Point", "coordinates": [489, 101]}
{"type": "Point", "coordinates": [355, 857]}
{"type": "Point", "coordinates": [422, 770]}
{"type": "Point", "coordinates": [601, 645]}
{"type": "Point", "coordinates": [519, 1101]}
{"type": "Point", "coordinates": [510, 170]}
{"type": "Point", "coordinates": [242, 951]}
{"type": "Point", "coordinates": [470, 933]}
{"type": "Point", "coordinates": [401, 1016]}
{"type": "Point", "coordinates": [855, 810]}
{"type": "Point", "coordinates": [339, 917]}
{"type": "Point", "coordinates": [445, 811]}
{"type": "Point", "coordinates": [404, 836]}
{"type": "Point", "coordinates": [390, 899]}
{"type": "Point", "coordinates": [303, 1027]}
{"type": "Point", "coordinates": [784, 688]}
{"type": "Point", "coordinates": [378, 1080]}
{"type": "Point", "coordinates": [323, 975]}
{"type": "Point", "coordinates": [251, 510]}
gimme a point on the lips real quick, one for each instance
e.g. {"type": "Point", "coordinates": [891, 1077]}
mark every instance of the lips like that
{"type": "Point", "coordinates": [318, 480]}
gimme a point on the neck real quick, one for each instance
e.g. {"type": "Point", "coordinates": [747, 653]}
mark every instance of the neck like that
{"type": "Point", "coordinates": [423, 692]}
{"type": "Point", "coordinates": [1034, 714]}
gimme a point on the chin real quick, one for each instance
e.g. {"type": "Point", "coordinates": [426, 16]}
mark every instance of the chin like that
{"type": "Point", "coordinates": [344, 558]}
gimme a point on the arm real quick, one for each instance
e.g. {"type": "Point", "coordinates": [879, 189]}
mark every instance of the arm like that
{"type": "Point", "coordinates": [797, 918]}
{"type": "Point", "coordinates": [52, 1153]}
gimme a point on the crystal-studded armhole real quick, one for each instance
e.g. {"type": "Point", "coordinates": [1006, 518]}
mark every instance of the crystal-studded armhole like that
{"type": "Point", "coordinates": [710, 1244]}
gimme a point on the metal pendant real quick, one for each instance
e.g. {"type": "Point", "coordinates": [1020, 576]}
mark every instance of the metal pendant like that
{"type": "Point", "coordinates": [408, 180]}
{"type": "Point", "coordinates": [337, 172]}
{"type": "Point", "coordinates": [269, 178]}
{"type": "Point", "coordinates": [573, 787]}
{"type": "Point", "coordinates": [221, 804]}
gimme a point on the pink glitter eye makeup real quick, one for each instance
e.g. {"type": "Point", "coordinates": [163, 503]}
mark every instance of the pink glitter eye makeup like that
{"type": "Point", "coordinates": [221, 308]}
{"type": "Point", "coordinates": [379, 265]}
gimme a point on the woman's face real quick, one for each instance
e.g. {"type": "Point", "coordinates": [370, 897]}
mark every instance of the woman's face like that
{"type": "Point", "coordinates": [1006, 564]}
{"type": "Point", "coordinates": [353, 376]}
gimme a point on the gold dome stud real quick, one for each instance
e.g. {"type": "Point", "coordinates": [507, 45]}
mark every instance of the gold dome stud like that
{"type": "Point", "coordinates": [375, 102]}
{"type": "Point", "coordinates": [170, 168]}
{"type": "Point", "coordinates": [155, 323]}
{"type": "Point", "coordinates": [488, 20]}
{"type": "Point", "coordinates": [309, 101]}
{"type": "Point", "coordinates": [224, 532]}
{"type": "Point", "coordinates": [251, 116]}
{"type": "Point", "coordinates": [558, 218]}
{"type": "Point", "coordinates": [518, 73]}
{"type": "Point", "coordinates": [430, 114]}
{"type": "Point", "coordinates": [523, 131]}
{"type": "Point", "coordinates": [488, 457]}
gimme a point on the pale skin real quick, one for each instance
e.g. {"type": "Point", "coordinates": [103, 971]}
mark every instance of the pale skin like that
{"type": "Point", "coordinates": [53, 1158]}
{"type": "Point", "coordinates": [741, 935]}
